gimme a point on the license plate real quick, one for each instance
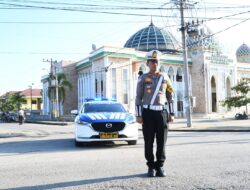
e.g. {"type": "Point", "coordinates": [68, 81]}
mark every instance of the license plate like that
{"type": "Point", "coordinates": [108, 135]}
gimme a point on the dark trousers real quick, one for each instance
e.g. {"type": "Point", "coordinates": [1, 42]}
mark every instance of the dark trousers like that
{"type": "Point", "coordinates": [20, 119]}
{"type": "Point", "coordinates": [154, 126]}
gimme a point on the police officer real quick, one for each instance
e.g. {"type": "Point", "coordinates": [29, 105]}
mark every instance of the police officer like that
{"type": "Point", "coordinates": [154, 109]}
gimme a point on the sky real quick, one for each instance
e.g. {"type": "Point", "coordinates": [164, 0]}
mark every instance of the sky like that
{"type": "Point", "coordinates": [33, 31]}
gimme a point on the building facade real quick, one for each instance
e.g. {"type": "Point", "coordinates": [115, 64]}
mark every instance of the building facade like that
{"type": "Point", "coordinates": [113, 71]}
{"type": "Point", "coordinates": [70, 101]}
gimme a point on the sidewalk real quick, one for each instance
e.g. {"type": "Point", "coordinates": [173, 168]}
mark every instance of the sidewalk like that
{"type": "Point", "coordinates": [198, 124]}
{"type": "Point", "coordinates": [211, 125]}
{"type": "Point", "coordinates": [179, 125]}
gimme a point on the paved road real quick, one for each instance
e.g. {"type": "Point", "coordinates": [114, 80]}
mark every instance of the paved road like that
{"type": "Point", "coordinates": [44, 157]}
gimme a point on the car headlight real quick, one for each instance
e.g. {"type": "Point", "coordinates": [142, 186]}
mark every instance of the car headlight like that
{"type": "Point", "coordinates": [130, 119]}
{"type": "Point", "coordinates": [78, 121]}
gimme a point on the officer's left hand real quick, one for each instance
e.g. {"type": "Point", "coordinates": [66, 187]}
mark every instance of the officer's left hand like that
{"type": "Point", "coordinates": [139, 120]}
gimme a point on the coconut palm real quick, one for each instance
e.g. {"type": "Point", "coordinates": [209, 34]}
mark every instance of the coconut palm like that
{"type": "Point", "coordinates": [63, 83]}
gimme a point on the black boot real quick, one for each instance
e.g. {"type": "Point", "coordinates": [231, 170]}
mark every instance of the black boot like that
{"type": "Point", "coordinates": [151, 172]}
{"type": "Point", "coordinates": [160, 172]}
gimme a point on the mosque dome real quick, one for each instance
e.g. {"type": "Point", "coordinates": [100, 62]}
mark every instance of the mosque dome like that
{"type": "Point", "coordinates": [151, 38]}
{"type": "Point", "coordinates": [243, 53]}
{"type": "Point", "coordinates": [243, 50]}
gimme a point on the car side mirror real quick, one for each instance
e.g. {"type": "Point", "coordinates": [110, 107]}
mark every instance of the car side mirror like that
{"type": "Point", "coordinates": [74, 112]}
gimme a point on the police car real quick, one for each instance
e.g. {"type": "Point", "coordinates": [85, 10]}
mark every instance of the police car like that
{"type": "Point", "coordinates": [104, 120]}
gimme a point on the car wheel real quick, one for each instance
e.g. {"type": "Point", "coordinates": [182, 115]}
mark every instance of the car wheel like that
{"type": "Point", "coordinates": [132, 142]}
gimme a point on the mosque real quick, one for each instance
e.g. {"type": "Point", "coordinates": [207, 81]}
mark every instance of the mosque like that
{"type": "Point", "coordinates": [113, 71]}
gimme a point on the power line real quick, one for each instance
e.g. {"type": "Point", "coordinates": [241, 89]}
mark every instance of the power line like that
{"type": "Point", "coordinates": [116, 13]}
{"type": "Point", "coordinates": [72, 22]}
{"type": "Point", "coordinates": [213, 34]}
{"type": "Point", "coordinates": [111, 7]}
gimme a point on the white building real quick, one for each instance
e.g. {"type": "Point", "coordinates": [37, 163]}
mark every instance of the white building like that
{"type": "Point", "coordinates": [113, 71]}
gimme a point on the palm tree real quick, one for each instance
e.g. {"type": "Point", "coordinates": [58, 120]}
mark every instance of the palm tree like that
{"type": "Point", "coordinates": [63, 83]}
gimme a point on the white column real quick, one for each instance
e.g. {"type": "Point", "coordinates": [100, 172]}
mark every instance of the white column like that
{"type": "Point", "coordinates": [131, 100]}
{"type": "Point", "coordinates": [78, 89]}
{"type": "Point", "coordinates": [92, 84]}
{"type": "Point", "coordinates": [82, 87]}
{"type": "Point", "coordinates": [85, 86]}
{"type": "Point", "coordinates": [89, 85]}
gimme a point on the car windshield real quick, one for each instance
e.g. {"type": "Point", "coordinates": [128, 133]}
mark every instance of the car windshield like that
{"type": "Point", "coordinates": [88, 108]}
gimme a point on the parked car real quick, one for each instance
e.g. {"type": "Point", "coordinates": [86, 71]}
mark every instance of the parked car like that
{"type": "Point", "coordinates": [104, 120]}
{"type": "Point", "coordinates": [239, 116]}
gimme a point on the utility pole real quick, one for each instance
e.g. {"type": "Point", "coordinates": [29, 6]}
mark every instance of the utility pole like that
{"type": "Point", "coordinates": [54, 76]}
{"type": "Point", "coordinates": [186, 73]}
{"type": "Point", "coordinates": [57, 101]}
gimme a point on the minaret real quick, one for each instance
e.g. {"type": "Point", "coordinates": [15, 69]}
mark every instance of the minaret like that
{"type": "Point", "coordinates": [198, 72]}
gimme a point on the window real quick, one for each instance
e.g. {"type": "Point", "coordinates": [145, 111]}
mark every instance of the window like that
{"type": "Point", "coordinates": [33, 101]}
{"type": "Point", "coordinates": [102, 107]}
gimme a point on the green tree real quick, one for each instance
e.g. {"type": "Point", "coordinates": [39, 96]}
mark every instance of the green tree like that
{"type": "Point", "coordinates": [6, 104]}
{"type": "Point", "coordinates": [11, 102]}
{"type": "Point", "coordinates": [241, 98]}
{"type": "Point", "coordinates": [63, 83]}
{"type": "Point", "coordinates": [17, 100]}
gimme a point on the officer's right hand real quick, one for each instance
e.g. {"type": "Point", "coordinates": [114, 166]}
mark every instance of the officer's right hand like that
{"type": "Point", "coordinates": [171, 118]}
{"type": "Point", "coordinates": [139, 119]}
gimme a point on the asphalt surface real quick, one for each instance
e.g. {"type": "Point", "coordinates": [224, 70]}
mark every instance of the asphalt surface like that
{"type": "Point", "coordinates": [44, 157]}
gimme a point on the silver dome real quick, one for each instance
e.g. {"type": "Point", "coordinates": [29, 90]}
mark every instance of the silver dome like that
{"type": "Point", "coordinates": [151, 38]}
{"type": "Point", "coordinates": [243, 50]}
{"type": "Point", "coordinates": [243, 53]}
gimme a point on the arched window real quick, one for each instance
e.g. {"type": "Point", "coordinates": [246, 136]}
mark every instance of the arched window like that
{"type": "Point", "coordinates": [162, 69]}
{"type": "Point", "coordinates": [171, 73]}
{"type": "Point", "coordinates": [179, 75]}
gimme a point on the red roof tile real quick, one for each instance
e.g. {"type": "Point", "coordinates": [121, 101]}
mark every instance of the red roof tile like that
{"type": "Point", "coordinates": [35, 92]}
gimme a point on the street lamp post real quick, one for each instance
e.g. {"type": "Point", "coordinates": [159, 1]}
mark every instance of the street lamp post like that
{"type": "Point", "coordinates": [31, 97]}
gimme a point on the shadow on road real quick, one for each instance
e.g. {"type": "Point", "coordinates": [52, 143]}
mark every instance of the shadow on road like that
{"type": "Point", "coordinates": [79, 183]}
{"type": "Point", "coordinates": [54, 145]}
